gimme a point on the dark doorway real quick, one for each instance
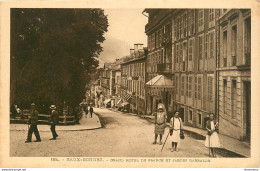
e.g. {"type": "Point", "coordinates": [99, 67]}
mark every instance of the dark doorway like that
{"type": "Point", "coordinates": [247, 91]}
{"type": "Point", "coordinates": [166, 100]}
{"type": "Point", "coordinates": [181, 114]}
{"type": "Point", "coordinates": [151, 103]}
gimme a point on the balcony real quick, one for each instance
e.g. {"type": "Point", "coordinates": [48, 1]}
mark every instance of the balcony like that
{"type": "Point", "coordinates": [164, 68]}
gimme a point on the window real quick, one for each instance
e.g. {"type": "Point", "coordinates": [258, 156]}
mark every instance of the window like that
{"type": "Point", "coordinates": [181, 27]}
{"type": "Point", "coordinates": [199, 88]}
{"type": "Point", "coordinates": [234, 98]}
{"type": "Point", "coordinates": [190, 115]}
{"type": "Point", "coordinates": [180, 52]}
{"type": "Point", "coordinates": [211, 45]}
{"type": "Point", "coordinates": [224, 96]}
{"type": "Point", "coordinates": [175, 29]}
{"type": "Point", "coordinates": [211, 15]}
{"type": "Point", "coordinates": [187, 86]}
{"type": "Point", "coordinates": [247, 42]}
{"type": "Point", "coordinates": [206, 45]}
{"type": "Point", "coordinates": [177, 53]}
{"type": "Point", "coordinates": [177, 83]}
{"type": "Point", "coordinates": [234, 45]}
{"type": "Point", "coordinates": [178, 28]}
{"type": "Point", "coordinates": [210, 89]}
{"type": "Point", "coordinates": [185, 25]}
{"type": "Point", "coordinates": [182, 85]}
{"type": "Point", "coordinates": [190, 85]}
{"type": "Point", "coordinates": [225, 49]}
{"type": "Point", "coordinates": [201, 47]}
{"type": "Point", "coordinates": [190, 49]}
{"type": "Point", "coordinates": [200, 118]}
{"type": "Point", "coordinates": [191, 22]}
{"type": "Point", "coordinates": [201, 19]}
{"type": "Point", "coordinates": [195, 88]}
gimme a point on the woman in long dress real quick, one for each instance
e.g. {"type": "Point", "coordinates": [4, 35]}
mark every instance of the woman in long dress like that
{"type": "Point", "coordinates": [212, 139]}
{"type": "Point", "coordinates": [176, 127]}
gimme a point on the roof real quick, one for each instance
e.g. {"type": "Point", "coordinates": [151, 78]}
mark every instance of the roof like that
{"type": "Point", "coordinates": [160, 80]}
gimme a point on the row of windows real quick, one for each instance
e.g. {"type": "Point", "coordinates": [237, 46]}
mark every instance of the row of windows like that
{"type": "Point", "coordinates": [233, 44]}
{"type": "Point", "coordinates": [187, 85]}
{"type": "Point", "coordinates": [134, 70]}
{"type": "Point", "coordinates": [199, 115]}
{"type": "Point", "coordinates": [156, 38]}
{"type": "Point", "coordinates": [233, 97]}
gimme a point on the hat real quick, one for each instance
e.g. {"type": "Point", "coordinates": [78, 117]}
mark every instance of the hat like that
{"type": "Point", "coordinates": [32, 104]}
{"type": "Point", "coordinates": [53, 107]}
{"type": "Point", "coordinates": [160, 106]}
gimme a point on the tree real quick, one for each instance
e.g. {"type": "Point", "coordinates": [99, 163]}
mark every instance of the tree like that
{"type": "Point", "coordinates": [52, 53]}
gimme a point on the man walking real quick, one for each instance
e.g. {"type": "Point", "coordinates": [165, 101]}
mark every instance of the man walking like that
{"type": "Point", "coordinates": [91, 111]}
{"type": "Point", "coordinates": [54, 120]}
{"type": "Point", "coordinates": [33, 121]}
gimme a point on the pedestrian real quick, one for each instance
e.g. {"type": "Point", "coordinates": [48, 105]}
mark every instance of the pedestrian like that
{"type": "Point", "coordinates": [85, 109]}
{"type": "Point", "coordinates": [75, 113]}
{"type": "Point", "coordinates": [33, 121]}
{"type": "Point", "coordinates": [212, 139]}
{"type": "Point", "coordinates": [176, 128]}
{"type": "Point", "coordinates": [160, 122]}
{"type": "Point", "coordinates": [13, 110]}
{"type": "Point", "coordinates": [91, 110]}
{"type": "Point", "coordinates": [54, 120]}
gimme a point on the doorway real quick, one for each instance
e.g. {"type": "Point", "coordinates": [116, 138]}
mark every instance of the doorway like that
{"type": "Point", "coordinates": [247, 92]}
{"type": "Point", "coordinates": [181, 114]}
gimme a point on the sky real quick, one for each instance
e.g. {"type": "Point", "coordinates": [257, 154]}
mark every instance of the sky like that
{"type": "Point", "coordinates": [126, 27]}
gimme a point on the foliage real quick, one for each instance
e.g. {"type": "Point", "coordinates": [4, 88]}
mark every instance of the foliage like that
{"type": "Point", "coordinates": [52, 52]}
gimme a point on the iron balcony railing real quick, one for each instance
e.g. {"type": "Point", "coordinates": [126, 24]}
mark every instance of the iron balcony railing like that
{"type": "Point", "coordinates": [164, 67]}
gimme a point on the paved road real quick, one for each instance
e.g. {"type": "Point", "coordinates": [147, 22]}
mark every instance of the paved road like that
{"type": "Point", "coordinates": [122, 135]}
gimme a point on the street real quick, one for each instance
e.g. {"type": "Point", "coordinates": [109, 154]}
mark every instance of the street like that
{"type": "Point", "coordinates": [122, 135]}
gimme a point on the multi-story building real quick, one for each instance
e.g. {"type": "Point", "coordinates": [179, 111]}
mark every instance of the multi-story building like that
{"type": "Point", "coordinates": [133, 78]}
{"type": "Point", "coordinates": [159, 84]}
{"type": "Point", "coordinates": [234, 73]}
{"type": "Point", "coordinates": [194, 56]}
{"type": "Point", "coordinates": [196, 53]}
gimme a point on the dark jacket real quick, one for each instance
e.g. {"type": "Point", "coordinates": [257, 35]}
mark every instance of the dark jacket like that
{"type": "Point", "coordinates": [208, 126]}
{"type": "Point", "coordinates": [33, 117]}
{"type": "Point", "coordinates": [54, 117]}
{"type": "Point", "coordinates": [91, 109]}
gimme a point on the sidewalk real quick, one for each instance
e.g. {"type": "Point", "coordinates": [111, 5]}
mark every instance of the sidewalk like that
{"type": "Point", "coordinates": [85, 124]}
{"type": "Point", "coordinates": [234, 145]}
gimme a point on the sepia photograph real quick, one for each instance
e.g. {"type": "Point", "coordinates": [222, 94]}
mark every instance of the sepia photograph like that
{"type": "Point", "coordinates": [125, 85]}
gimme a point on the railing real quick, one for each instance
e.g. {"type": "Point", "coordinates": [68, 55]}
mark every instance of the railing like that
{"type": "Point", "coordinates": [164, 67]}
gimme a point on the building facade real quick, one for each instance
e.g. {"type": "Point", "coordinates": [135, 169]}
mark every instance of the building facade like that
{"type": "Point", "coordinates": [159, 87]}
{"type": "Point", "coordinates": [234, 73]}
{"type": "Point", "coordinates": [196, 53]}
{"type": "Point", "coordinates": [133, 79]}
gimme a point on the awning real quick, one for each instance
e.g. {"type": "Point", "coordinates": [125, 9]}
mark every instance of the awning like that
{"type": "Point", "coordinates": [119, 101]}
{"type": "Point", "coordinates": [107, 101]}
{"type": "Point", "coordinates": [125, 103]}
{"type": "Point", "coordinates": [160, 81]}
{"type": "Point", "coordinates": [127, 97]}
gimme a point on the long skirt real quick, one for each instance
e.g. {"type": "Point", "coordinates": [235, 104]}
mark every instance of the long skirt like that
{"type": "Point", "coordinates": [176, 136]}
{"type": "Point", "coordinates": [212, 140]}
{"type": "Point", "coordinates": [159, 129]}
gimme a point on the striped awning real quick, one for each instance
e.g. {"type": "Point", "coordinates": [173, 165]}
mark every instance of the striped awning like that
{"type": "Point", "coordinates": [127, 97]}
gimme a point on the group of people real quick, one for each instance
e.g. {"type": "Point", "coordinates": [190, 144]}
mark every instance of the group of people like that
{"type": "Point", "coordinates": [33, 122]}
{"type": "Point", "coordinates": [177, 133]}
{"type": "Point", "coordinates": [86, 110]}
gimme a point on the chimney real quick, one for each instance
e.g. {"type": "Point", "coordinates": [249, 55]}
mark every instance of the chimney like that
{"type": "Point", "coordinates": [132, 52]}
